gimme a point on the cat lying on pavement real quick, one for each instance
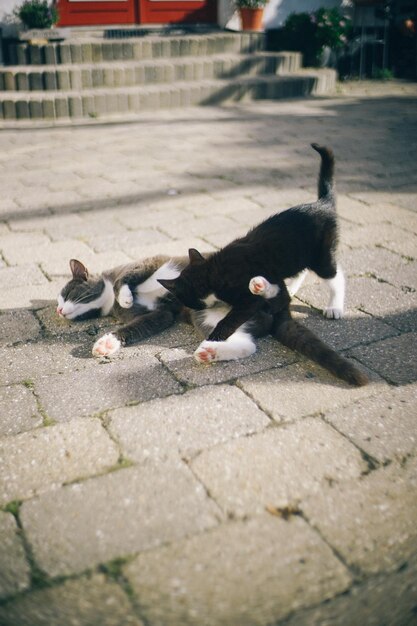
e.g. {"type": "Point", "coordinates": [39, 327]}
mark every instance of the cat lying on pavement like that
{"type": "Point", "coordinates": [133, 295]}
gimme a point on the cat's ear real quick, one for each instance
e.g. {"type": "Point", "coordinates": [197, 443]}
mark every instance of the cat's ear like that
{"type": "Point", "coordinates": [78, 269]}
{"type": "Point", "coordinates": [168, 283]}
{"type": "Point", "coordinates": [195, 257]}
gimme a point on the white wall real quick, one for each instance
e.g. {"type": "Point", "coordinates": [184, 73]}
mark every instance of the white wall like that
{"type": "Point", "coordinates": [6, 15]}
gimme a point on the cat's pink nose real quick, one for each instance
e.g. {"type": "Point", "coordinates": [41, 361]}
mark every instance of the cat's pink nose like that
{"type": "Point", "coordinates": [59, 310]}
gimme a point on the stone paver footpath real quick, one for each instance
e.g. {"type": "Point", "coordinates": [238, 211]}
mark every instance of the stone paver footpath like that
{"type": "Point", "coordinates": [150, 490]}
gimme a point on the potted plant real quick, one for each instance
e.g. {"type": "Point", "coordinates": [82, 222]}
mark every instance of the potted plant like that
{"type": "Point", "coordinates": [38, 14]}
{"type": "Point", "coordinates": [251, 13]}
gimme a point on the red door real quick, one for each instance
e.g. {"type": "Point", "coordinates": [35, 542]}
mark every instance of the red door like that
{"type": "Point", "coordinates": [96, 12]}
{"type": "Point", "coordinates": [119, 12]}
{"type": "Point", "coordinates": [178, 11]}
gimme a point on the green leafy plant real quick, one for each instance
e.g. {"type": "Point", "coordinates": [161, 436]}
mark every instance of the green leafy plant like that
{"type": "Point", "coordinates": [311, 32]}
{"type": "Point", "coordinates": [332, 28]}
{"type": "Point", "coordinates": [250, 4]}
{"type": "Point", "coordinates": [37, 14]}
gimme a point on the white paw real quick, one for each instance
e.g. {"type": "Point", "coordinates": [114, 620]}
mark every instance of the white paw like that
{"type": "Point", "coordinates": [206, 352]}
{"type": "Point", "coordinates": [333, 313]}
{"type": "Point", "coordinates": [258, 285]}
{"type": "Point", "coordinates": [106, 345]}
{"type": "Point", "coordinates": [125, 297]}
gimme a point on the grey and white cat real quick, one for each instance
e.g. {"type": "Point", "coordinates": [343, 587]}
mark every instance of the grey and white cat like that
{"type": "Point", "coordinates": [132, 294]}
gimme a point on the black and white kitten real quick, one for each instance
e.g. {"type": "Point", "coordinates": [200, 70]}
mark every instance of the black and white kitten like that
{"type": "Point", "coordinates": [300, 238]}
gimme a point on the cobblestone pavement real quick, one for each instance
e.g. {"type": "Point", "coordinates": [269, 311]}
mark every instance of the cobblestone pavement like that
{"type": "Point", "coordinates": [151, 490]}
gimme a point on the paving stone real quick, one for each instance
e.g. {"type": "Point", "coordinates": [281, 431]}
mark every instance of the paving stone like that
{"type": "Point", "coordinates": [179, 248]}
{"type": "Point", "coordinates": [128, 242]}
{"type": "Point", "coordinates": [393, 358]}
{"type": "Point", "coordinates": [55, 257]}
{"type": "Point", "coordinates": [392, 305]}
{"type": "Point", "coordinates": [14, 571]}
{"type": "Point", "coordinates": [182, 334]}
{"type": "Point", "coordinates": [278, 391]}
{"type": "Point", "coordinates": [33, 362]}
{"type": "Point", "coordinates": [208, 580]}
{"type": "Point", "coordinates": [84, 602]}
{"type": "Point", "coordinates": [86, 227]}
{"type": "Point", "coordinates": [370, 603]}
{"type": "Point", "coordinates": [18, 410]}
{"type": "Point", "coordinates": [382, 264]}
{"type": "Point", "coordinates": [362, 213]}
{"type": "Point", "coordinates": [14, 246]}
{"type": "Point", "coordinates": [54, 225]}
{"type": "Point", "coordinates": [405, 200]}
{"type": "Point", "coordinates": [172, 426]}
{"type": "Point", "coordinates": [354, 329]}
{"type": "Point", "coordinates": [371, 523]}
{"type": "Point", "coordinates": [183, 366]}
{"type": "Point", "coordinates": [30, 296]}
{"type": "Point", "coordinates": [106, 385]}
{"type": "Point", "coordinates": [16, 276]}
{"type": "Point", "coordinates": [281, 466]}
{"type": "Point", "coordinates": [235, 207]}
{"type": "Point", "coordinates": [222, 237]}
{"type": "Point", "coordinates": [44, 458]}
{"type": "Point", "coordinates": [383, 425]}
{"type": "Point", "coordinates": [56, 179]}
{"type": "Point", "coordinates": [18, 325]}
{"type": "Point", "coordinates": [118, 514]}
{"type": "Point", "coordinates": [276, 200]}
{"type": "Point", "coordinates": [388, 236]}
{"type": "Point", "coordinates": [62, 329]}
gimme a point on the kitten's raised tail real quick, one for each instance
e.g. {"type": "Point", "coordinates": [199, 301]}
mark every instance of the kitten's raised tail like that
{"type": "Point", "coordinates": [326, 174]}
{"type": "Point", "coordinates": [299, 338]}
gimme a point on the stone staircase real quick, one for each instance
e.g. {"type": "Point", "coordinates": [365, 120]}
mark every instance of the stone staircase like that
{"type": "Point", "coordinates": [100, 78]}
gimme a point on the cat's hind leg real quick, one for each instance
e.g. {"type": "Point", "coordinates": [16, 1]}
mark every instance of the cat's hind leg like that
{"type": "Point", "coordinates": [336, 285]}
{"type": "Point", "coordinates": [260, 286]}
{"type": "Point", "coordinates": [238, 346]}
{"type": "Point", "coordinates": [107, 345]}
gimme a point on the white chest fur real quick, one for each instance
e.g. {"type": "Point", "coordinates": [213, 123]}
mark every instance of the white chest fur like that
{"type": "Point", "coordinates": [148, 292]}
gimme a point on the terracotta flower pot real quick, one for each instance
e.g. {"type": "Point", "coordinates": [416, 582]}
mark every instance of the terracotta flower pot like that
{"type": "Point", "coordinates": [251, 18]}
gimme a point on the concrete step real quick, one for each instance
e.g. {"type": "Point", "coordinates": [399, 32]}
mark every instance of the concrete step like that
{"type": "Point", "coordinates": [103, 103]}
{"type": "Point", "coordinates": [130, 73]}
{"type": "Point", "coordinates": [149, 47]}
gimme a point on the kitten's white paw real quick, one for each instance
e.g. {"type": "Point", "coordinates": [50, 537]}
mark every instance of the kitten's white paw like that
{"type": "Point", "coordinates": [258, 285]}
{"type": "Point", "coordinates": [333, 313]}
{"type": "Point", "coordinates": [206, 352]}
{"type": "Point", "coordinates": [106, 345]}
{"type": "Point", "coordinates": [125, 297]}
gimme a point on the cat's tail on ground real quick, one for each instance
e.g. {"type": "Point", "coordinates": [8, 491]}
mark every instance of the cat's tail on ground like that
{"type": "Point", "coordinates": [326, 190]}
{"type": "Point", "coordinates": [299, 338]}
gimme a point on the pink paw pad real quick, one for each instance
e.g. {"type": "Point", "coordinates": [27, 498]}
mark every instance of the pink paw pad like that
{"type": "Point", "coordinates": [257, 285]}
{"type": "Point", "coordinates": [205, 355]}
{"type": "Point", "coordinates": [106, 345]}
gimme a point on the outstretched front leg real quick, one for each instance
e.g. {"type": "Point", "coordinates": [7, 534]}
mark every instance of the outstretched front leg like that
{"type": "Point", "coordinates": [138, 329]}
{"type": "Point", "coordinates": [235, 318]}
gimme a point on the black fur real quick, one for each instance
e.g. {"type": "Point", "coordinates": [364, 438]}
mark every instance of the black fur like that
{"type": "Point", "coordinates": [304, 236]}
